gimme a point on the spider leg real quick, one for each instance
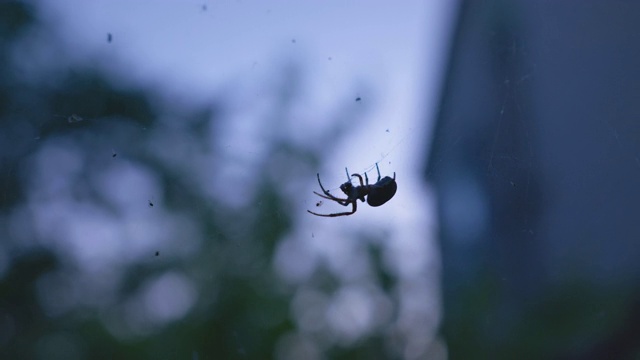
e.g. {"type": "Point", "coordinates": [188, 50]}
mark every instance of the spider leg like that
{"type": "Point", "coordinates": [322, 187]}
{"type": "Point", "coordinates": [360, 177]}
{"type": "Point", "coordinates": [355, 206]}
{"type": "Point", "coordinates": [377, 168]}
{"type": "Point", "coordinates": [343, 202]}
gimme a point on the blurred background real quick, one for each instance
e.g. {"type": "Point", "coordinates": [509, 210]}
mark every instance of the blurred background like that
{"type": "Point", "coordinates": [157, 161]}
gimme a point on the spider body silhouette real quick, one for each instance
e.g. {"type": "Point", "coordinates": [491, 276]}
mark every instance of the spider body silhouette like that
{"type": "Point", "coordinates": [376, 194]}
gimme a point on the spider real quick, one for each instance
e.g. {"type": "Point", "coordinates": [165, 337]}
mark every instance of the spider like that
{"type": "Point", "coordinates": [378, 193]}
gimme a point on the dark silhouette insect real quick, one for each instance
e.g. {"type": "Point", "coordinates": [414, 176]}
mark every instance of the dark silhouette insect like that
{"type": "Point", "coordinates": [377, 194]}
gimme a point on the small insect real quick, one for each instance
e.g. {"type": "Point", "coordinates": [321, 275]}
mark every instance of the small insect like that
{"type": "Point", "coordinates": [377, 194]}
{"type": "Point", "coordinates": [358, 98]}
{"type": "Point", "coordinates": [319, 203]}
{"type": "Point", "coordinates": [150, 203]}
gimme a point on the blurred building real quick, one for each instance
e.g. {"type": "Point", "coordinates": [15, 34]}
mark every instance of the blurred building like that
{"type": "Point", "coordinates": [535, 160]}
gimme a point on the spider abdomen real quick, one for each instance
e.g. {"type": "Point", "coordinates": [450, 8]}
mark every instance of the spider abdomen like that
{"type": "Point", "coordinates": [382, 191]}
